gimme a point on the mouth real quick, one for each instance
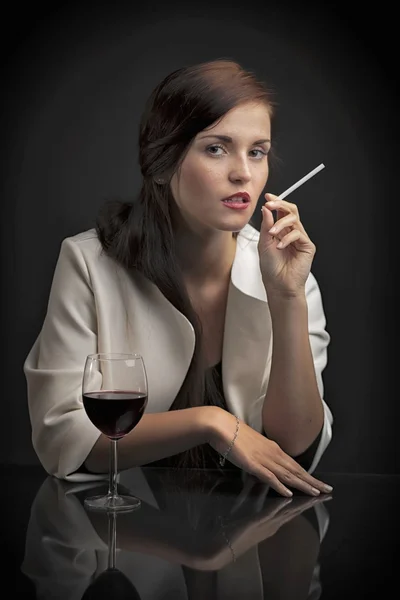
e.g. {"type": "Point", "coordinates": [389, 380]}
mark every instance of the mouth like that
{"type": "Point", "coordinates": [239, 201]}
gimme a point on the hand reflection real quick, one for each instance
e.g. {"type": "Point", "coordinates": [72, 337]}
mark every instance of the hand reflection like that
{"type": "Point", "coordinates": [199, 524]}
{"type": "Point", "coordinates": [207, 528]}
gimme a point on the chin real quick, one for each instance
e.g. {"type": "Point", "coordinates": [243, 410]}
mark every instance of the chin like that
{"type": "Point", "coordinates": [233, 225]}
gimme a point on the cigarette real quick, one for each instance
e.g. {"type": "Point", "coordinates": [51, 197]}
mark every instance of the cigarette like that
{"type": "Point", "coordinates": [301, 181]}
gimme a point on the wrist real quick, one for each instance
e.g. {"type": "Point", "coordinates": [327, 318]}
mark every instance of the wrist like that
{"type": "Point", "coordinates": [209, 423]}
{"type": "Point", "coordinates": [278, 291]}
{"type": "Point", "coordinates": [288, 313]}
{"type": "Point", "coordinates": [281, 300]}
{"type": "Point", "coordinates": [221, 429]}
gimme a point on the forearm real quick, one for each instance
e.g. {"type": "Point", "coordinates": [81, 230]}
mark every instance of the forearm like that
{"type": "Point", "coordinates": [156, 436]}
{"type": "Point", "coordinates": [292, 412]}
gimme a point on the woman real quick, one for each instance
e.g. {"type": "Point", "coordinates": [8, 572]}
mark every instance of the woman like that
{"type": "Point", "coordinates": [181, 277]}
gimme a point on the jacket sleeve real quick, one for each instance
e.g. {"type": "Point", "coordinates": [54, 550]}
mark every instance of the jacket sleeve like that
{"type": "Point", "coordinates": [319, 341]}
{"type": "Point", "coordinates": [62, 434]}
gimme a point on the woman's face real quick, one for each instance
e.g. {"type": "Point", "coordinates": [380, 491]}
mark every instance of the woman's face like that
{"type": "Point", "coordinates": [226, 159]}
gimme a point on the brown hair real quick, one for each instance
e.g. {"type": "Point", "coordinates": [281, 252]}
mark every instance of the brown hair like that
{"type": "Point", "coordinates": [140, 235]}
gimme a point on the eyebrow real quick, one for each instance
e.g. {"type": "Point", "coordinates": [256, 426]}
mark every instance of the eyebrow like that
{"type": "Point", "coordinates": [228, 139]}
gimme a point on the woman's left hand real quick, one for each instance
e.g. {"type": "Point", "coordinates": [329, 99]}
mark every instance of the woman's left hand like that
{"type": "Point", "coordinates": [286, 252]}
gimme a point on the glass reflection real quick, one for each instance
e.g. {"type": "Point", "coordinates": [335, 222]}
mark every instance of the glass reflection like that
{"type": "Point", "coordinates": [197, 535]}
{"type": "Point", "coordinates": [112, 582]}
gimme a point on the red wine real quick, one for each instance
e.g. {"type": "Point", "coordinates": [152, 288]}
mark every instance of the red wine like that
{"type": "Point", "coordinates": [114, 413]}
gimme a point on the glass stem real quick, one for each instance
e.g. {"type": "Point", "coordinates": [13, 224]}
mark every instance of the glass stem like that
{"type": "Point", "coordinates": [112, 539]}
{"type": "Point", "coordinates": [112, 488]}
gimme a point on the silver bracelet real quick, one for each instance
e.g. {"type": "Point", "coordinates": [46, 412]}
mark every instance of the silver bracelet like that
{"type": "Point", "coordinates": [222, 458]}
{"type": "Point", "coordinates": [227, 539]}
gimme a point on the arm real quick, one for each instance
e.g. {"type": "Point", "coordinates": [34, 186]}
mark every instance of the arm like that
{"type": "Point", "coordinates": [62, 434]}
{"type": "Point", "coordinates": [293, 413]}
{"type": "Point", "coordinates": [156, 436]}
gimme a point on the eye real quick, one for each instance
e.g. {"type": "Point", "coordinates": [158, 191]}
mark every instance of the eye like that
{"type": "Point", "coordinates": [216, 147]}
{"type": "Point", "coordinates": [261, 153]}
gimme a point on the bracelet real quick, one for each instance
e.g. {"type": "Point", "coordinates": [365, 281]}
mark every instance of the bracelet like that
{"type": "Point", "coordinates": [223, 457]}
{"type": "Point", "coordinates": [227, 539]}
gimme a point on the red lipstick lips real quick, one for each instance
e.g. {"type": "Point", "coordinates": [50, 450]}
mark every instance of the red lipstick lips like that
{"type": "Point", "coordinates": [238, 201]}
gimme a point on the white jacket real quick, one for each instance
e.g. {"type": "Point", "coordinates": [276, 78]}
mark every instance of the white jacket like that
{"type": "Point", "coordinates": [96, 306]}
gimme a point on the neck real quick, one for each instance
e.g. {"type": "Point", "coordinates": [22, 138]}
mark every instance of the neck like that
{"type": "Point", "coordinates": [206, 257]}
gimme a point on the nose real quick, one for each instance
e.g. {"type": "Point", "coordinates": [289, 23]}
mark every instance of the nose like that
{"type": "Point", "coordinates": [240, 171]}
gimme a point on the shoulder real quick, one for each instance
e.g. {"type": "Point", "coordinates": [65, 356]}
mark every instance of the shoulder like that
{"type": "Point", "coordinates": [84, 247]}
{"type": "Point", "coordinates": [83, 253]}
{"type": "Point", "coordinates": [85, 241]}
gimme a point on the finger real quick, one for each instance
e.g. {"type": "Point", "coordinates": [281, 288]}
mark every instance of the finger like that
{"type": "Point", "coordinates": [275, 506]}
{"type": "Point", "coordinates": [306, 502]}
{"type": "Point", "coordinates": [266, 239]}
{"type": "Point", "coordinates": [281, 215]}
{"type": "Point", "coordinates": [287, 221]}
{"type": "Point", "coordinates": [287, 213]}
{"type": "Point", "coordinates": [267, 219]}
{"type": "Point", "coordinates": [289, 464]}
{"type": "Point", "coordinates": [276, 203]}
{"type": "Point", "coordinates": [267, 476]}
{"type": "Point", "coordinates": [269, 513]}
{"type": "Point", "coordinates": [277, 214]}
{"type": "Point", "coordinates": [294, 481]}
{"type": "Point", "coordinates": [293, 236]}
{"type": "Point", "coordinates": [300, 504]}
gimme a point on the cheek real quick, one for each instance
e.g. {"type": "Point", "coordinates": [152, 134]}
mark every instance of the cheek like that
{"type": "Point", "coordinates": [198, 178]}
{"type": "Point", "coordinates": [262, 176]}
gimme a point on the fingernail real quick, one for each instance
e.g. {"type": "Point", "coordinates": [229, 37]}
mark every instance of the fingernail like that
{"type": "Point", "coordinates": [328, 488]}
{"type": "Point", "coordinates": [289, 493]}
{"type": "Point", "coordinates": [272, 230]}
{"type": "Point", "coordinates": [315, 491]}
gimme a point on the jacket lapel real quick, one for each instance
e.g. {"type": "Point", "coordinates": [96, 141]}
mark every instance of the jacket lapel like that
{"type": "Point", "coordinates": [247, 347]}
{"type": "Point", "coordinates": [164, 337]}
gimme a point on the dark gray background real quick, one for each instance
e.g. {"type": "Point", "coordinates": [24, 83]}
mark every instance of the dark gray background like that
{"type": "Point", "coordinates": [75, 81]}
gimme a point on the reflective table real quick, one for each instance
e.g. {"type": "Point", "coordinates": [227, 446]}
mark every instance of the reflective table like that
{"type": "Point", "coordinates": [199, 535]}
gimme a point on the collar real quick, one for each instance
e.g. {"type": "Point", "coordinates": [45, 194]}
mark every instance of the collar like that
{"type": "Point", "coordinates": [246, 273]}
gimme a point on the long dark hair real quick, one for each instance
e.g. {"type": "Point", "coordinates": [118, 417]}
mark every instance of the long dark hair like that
{"type": "Point", "coordinates": [140, 235]}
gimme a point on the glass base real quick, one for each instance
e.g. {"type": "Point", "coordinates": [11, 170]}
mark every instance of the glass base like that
{"type": "Point", "coordinates": [116, 503]}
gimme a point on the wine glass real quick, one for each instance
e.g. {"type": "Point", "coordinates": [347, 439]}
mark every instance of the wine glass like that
{"type": "Point", "coordinates": [114, 392]}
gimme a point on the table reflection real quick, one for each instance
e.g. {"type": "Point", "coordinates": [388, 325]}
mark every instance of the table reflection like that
{"type": "Point", "coordinates": [198, 535]}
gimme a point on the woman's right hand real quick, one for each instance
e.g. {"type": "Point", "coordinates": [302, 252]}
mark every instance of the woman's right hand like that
{"type": "Point", "coordinates": [262, 457]}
